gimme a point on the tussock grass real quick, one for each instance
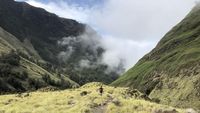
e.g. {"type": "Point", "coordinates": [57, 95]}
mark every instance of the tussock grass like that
{"type": "Point", "coordinates": [113, 100]}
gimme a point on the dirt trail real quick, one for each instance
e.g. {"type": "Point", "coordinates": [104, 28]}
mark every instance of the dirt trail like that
{"type": "Point", "coordinates": [102, 108]}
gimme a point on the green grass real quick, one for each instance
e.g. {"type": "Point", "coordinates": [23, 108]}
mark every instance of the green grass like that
{"type": "Point", "coordinates": [36, 72]}
{"type": "Point", "coordinates": [138, 70]}
{"type": "Point", "coordinates": [184, 94]}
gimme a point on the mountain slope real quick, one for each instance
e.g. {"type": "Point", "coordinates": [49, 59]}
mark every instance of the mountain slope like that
{"type": "Point", "coordinates": [20, 74]}
{"type": "Point", "coordinates": [171, 71]}
{"type": "Point", "coordinates": [59, 45]}
{"type": "Point", "coordinates": [40, 27]}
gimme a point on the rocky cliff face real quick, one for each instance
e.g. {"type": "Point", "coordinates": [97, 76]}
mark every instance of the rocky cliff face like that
{"type": "Point", "coordinates": [170, 72]}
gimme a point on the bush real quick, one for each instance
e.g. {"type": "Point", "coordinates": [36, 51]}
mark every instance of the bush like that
{"type": "Point", "coordinates": [5, 70]}
{"type": "Point", "coordinates": [50, 81]}
{"type": "Point", "coordinates": [83, 93]}
{"type": "Point", "coordinates": [156, 100]}
{"type": "Point", "coordinates": [3, 86]}
{"type": "Point", "coordinates": [46, 78]}
{"type": "Point", "coordinates": [24, 74]}
{"type": "Point", "coordinates": [11, 58]}
{"type": "Point", "coordinates": [15, 83]}
{"type": "Point", "coordinates": [36, 83]}
{"type": "Point", "coordinates": [21, 75]}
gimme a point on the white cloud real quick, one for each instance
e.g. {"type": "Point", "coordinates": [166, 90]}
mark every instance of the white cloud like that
{"type": "Point", "coordinates": [63, 9]}
{"type": "Point", "coordinates": [127, 49]}
{"type": "Point", "coordinates": [130, 28]}
{"type": "Point", "coordinates": [85, 64]}
{"type": "Point", "coordinates": [141, 19]}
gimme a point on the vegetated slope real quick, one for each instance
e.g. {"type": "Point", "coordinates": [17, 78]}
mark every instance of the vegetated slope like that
{"type": "Point", "coordinates": [171, 71]}
{"type": "Point", "coordinates": [85, 99]}
{"type": "Point", "coordinates": [65, 45]}
{"type": "Point", "coordinates": [18, 73]}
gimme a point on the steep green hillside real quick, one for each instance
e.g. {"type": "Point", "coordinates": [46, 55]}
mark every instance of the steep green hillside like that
{"type": "Point", "coordinates": [84, 100]}
{"type": "Point", "coordinates": [171, 71]}
{"type": "Point", "coordinates": [69, 47]}
{"type": "Point", "coordinates": [20, 74]}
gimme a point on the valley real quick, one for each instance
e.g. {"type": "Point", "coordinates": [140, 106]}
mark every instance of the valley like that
{"type": "Point", "coordinates": [50, 64]}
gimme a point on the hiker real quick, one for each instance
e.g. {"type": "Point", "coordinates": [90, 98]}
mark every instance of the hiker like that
{"type": "Point", "coordinates": [101, 90]}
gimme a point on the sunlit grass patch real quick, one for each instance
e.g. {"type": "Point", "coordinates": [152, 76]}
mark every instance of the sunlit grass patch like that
{"type": "Point", "coordinates": [113, 100]}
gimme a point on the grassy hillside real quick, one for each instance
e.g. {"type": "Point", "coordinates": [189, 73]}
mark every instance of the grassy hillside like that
{"type": "Point", "coordinates": [83, 100]}
{"type": "Point", "coordinates": [171, 72]}
{"type": "Point", "coordinates": [17, 73]}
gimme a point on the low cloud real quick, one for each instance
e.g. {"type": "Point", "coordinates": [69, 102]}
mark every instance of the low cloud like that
{"type": "Point", "coordinates": [93, 52]}
{"type": "Point", "coordinates": [85, 63]}
{"type": "Point", "coordinates": [123, 49]}
{"type": "Point", "coordinates": [89, 40]}
{"type": "Point", "coordinates": [129, 28]}
{"type": "Point", "coordinates": [65, 55]}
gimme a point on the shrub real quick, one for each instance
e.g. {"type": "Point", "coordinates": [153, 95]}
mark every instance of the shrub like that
{"type": "Point", "coordinates": [15, 83]}
{"type": "Point", "coordinates": [36, 83]}
{"type": "Point", "coordinates": [11, 58]}
{"type": "Point", "coordinates": [5, 70]}
{"type": "Point", "coordinates": [3, 86]}
{"type": "Point", "coordinates": [24, 75]}
{"type": "Point", "coordinates": [46, 78]}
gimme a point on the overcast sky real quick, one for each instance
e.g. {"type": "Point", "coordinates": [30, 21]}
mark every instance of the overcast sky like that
{"type": "Point", "coordinates": [130, 28]}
